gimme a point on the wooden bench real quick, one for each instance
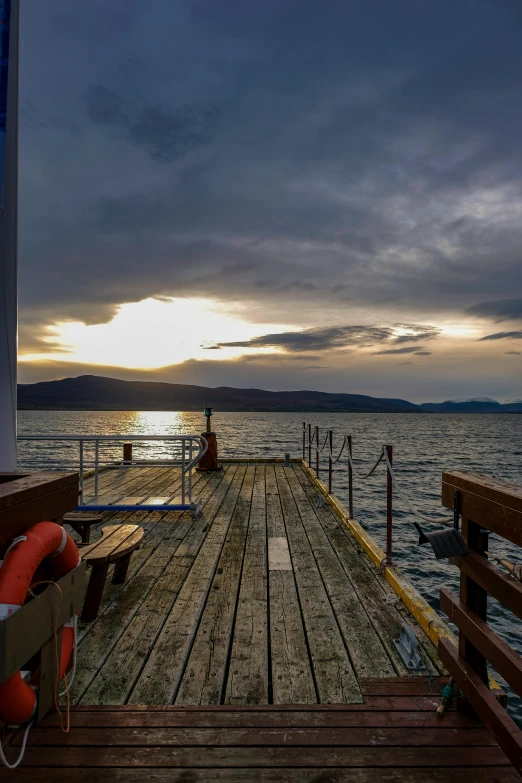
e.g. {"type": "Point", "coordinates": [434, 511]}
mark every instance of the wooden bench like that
{"type": "Point", "coordinates": [116, 545]}
{"type": "Point", "coordinates": [81, 522]}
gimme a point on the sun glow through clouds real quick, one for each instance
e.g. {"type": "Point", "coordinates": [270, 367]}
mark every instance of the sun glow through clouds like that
{"type": "Point", "coordinates": [151, 334]}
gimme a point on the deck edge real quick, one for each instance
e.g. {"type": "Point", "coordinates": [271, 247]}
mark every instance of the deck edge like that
{"type": "Point", "coordinates": [430, 622]}
{"type": "Point", "coordinates": [427, 617]}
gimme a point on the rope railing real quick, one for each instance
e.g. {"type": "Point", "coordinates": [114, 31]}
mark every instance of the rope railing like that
{"type": "Point", "coordinates": [385, 456]}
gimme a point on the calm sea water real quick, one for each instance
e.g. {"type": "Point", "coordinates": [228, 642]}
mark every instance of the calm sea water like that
{"type": "Point", "coordinates": [424, 446]}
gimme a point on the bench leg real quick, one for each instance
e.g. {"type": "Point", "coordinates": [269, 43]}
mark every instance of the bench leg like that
{"type": "Point", "coordinates": [120, 569]}
{"type": "Point", "coordinates": [86, 532]}
{"type": "Point", "coordinates": [94, 592]}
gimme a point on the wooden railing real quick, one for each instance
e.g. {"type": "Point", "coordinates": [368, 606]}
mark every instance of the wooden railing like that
{"type": "Point", "coordinates": [487, 505]}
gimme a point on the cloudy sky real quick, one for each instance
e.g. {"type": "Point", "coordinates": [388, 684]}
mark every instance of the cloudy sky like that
{"type": "Point", "coordinates": [284, 194]}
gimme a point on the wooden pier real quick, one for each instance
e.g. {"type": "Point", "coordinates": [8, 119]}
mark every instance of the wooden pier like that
{"type": "Point", "coordinates": [252, 642]}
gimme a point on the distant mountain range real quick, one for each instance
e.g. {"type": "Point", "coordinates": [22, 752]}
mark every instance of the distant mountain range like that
{"type": "Point", "coordinates": [91, 392]}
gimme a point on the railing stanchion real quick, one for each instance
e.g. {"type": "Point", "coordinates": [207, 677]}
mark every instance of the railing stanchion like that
{"type": "Point", "coordinates": [96, 457]}
{"type": "Point", "coordinates": [350, 478]}
{"type": "Point", "coordinates": [190, 473]}
{"type": "Point", "coordinates": [81, 472]}
{"type": "Point", "coordinates": [183, 472]}
{"type": "Point", "coordinates": [389, 505]}
{"type": "Point", "coordinates": [330, 443]}
{"type": "Point", "coordinates": [304, 440]}
{"type": "Point", "coordinates": [317, 451]}
{"type": "Point", "coordinates": [309, 445]}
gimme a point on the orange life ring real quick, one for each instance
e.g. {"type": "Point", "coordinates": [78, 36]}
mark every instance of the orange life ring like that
{"type": "Point", "coordinates": [43, 540]}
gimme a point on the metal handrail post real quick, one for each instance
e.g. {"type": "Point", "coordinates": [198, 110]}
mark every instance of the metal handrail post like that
{"type": "Point", "coordinates": [304, 440]}
{"type": "Point", "coordinates": [330, 438]}
{"type": "Point", "coordinates": [389, 506]}
{"type": "Point", "coordinates": [309, 445]}
{"type": "Point", "coordinates": [183, 471]}
{"type": "Point", "coordinates": [190, 473]}
{"type": "Point", "coordinates": [317, 451]}
{"type": "Point", "coordinates": [350, 478]}
{"type": "Point", "coordinates": [96, 459]}
{"type": "Point", "coordinates": [81, 472]}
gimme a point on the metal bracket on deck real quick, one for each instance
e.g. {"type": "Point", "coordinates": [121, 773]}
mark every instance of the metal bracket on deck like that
{"type": "Point", "coordinates": [407, 646]}
{"type": "Point", "coordinates": [195, 509]}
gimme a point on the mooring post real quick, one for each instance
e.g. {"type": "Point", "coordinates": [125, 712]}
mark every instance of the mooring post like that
{"type": "Point", "coordinates": [389, 505]}
{"type": "Point", "coordinates": [350, 478]}
{"type": "Point", "coordinates": [209, 460]}
{"type": "Point", "coordinates": [317, 451]}
{"type": "Point", "coordinates": [309, 445]}
{"type": "Point", "coordinates": [330, 463]}
{"type": "Point", "coordinates": [127, 453]}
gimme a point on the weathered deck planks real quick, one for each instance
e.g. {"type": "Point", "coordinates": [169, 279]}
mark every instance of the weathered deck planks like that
{"type": "Point", "coordinates": [377, 740]}
{"type": "Point", "coordinates": [204, 619]}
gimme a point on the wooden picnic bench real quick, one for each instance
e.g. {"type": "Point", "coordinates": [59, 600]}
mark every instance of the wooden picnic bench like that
{"type": "Point", "coordinates": [81, 522]}
{"type": "Point", "coordinates": [116, 545]}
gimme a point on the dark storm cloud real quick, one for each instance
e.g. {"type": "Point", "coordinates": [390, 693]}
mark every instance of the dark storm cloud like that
{"type": "Point", "coordinates": [407, 349]}
{"type": "Point", "coordinates": [505, 310]}
{"type": "Point", "coordinates": [503, 336]}
{"type": "Point", "coordinates": [333, 338]}
{"type": "Point", "coordinates": [423, 353]}
{"type": "Point", "coordinates": [321, 339]}
{"type": "Point", "coordinates": [512, 353]}
{"type": "Point", "coordinates": [166, 134]}
{"type": "Point", "coordinates": [286, 154]}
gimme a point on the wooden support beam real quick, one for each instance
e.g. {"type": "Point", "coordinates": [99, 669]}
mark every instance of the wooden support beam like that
{"type": "Point", "coordinates": [475, 597]}
{"type": "Point", "coordinates": [498, 584]}
{"type": "Point", "coordinates": [504, 659]}
{"type": "Point", "coordinates": [505, 730]}
{"type": "Point", "coordinates": [49, 675]}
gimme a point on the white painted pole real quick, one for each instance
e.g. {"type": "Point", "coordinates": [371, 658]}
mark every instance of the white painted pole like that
{"type": "Point", "coordinates": [8, 257]}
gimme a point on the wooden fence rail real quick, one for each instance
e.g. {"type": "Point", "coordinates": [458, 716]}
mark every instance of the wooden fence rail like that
{"type": "Point", "coordinates": [487, 505]}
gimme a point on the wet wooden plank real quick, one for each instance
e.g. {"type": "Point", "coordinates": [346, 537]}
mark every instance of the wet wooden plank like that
{"type": "Point", "coordinates": [121, 602]}
{"type": "Point", "coordinates": [161, 676]}
{"type": "Point", "coordinates": [248, 671]}
{"type": "Point", "coordinates": [264, 718]}
{"type": "Point", "coordinates": [292, 677]}
{"type": "Point", "coordinates": [204, 678]}
{"type": "Point", "coordinates": [402, 686]}
{"type": "Point", "coordinates": [293, 757]}
{"type": "Point", "coordinates": [381, 603]}
{"type": "Point", "coordinates": [260, 737]}
{"type": "Point", "coordinates": [115, 680]}
{"type": "Point", "coordinates": [366, 651]}
{"type": "Point", "coordinates": [256, 775]}
{"type": "Point", "coordinates": [334, 676]}
{"type": "Point", "coordinates": [274, 518]}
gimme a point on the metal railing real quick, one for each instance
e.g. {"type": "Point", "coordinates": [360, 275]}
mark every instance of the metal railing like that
{"type": "Point", "coordinates": [91, 454]}
{"type": "Point", "coordinates": [313, 443]}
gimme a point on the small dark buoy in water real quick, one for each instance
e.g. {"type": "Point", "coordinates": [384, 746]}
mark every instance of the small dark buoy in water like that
{"type": "Point", "coordinates": [209, 460]}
